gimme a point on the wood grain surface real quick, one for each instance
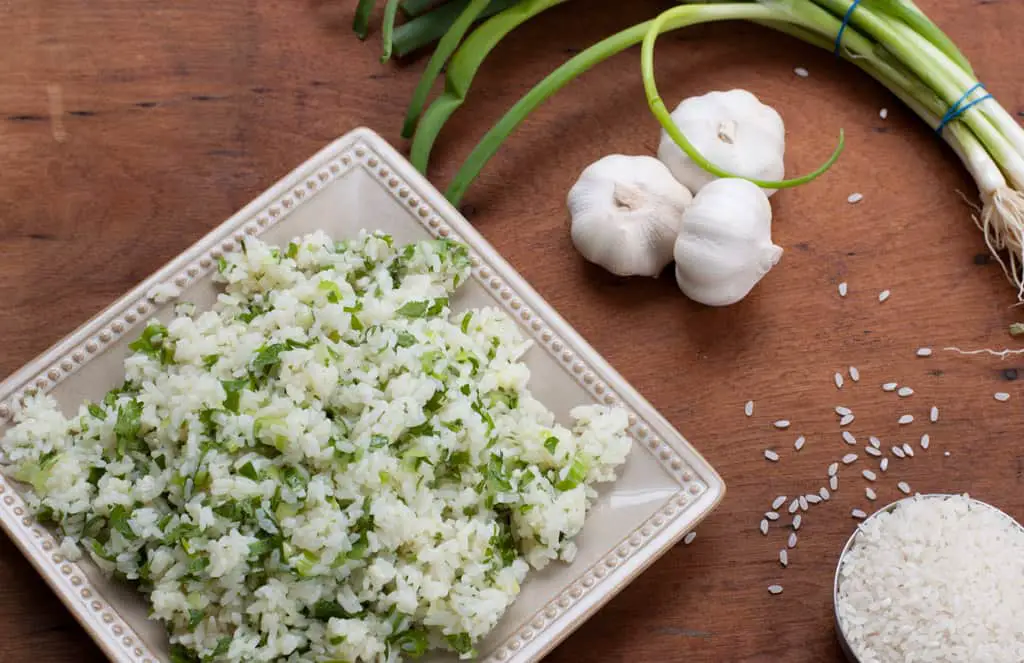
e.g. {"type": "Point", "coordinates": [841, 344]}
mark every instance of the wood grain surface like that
{"type": "Point", "coordinates": [129, 128]}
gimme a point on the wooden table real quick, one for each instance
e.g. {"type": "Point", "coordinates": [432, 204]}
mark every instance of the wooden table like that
{"type": "Point", "coordinates": [129, 129]}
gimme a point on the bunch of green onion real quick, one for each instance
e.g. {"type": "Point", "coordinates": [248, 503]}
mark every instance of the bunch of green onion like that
{"type": "Point", "coordinates": [891, 40]}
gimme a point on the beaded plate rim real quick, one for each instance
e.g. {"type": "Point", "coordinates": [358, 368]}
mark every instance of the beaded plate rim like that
{"type": "Point", "coordinates": [700, 488]}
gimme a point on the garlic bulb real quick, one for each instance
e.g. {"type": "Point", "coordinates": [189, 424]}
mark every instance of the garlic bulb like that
{"type": "Point", "coordinates": [625, 214]}
{"type": "Point", "coordinates": [725, 243]}
{"type": "Point", "coordinates": [732, 130]}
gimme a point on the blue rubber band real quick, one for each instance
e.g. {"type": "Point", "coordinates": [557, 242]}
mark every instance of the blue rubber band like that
{"type": "Point", "coordinates": [842, 28]}
{"type": "Point", "coordinates": [959, 108]}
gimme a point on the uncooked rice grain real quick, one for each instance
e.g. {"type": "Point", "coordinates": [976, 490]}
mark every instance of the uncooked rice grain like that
{"type": "Point", "coordinates": [833, 483]}
{"type": "Point", "coordinates": [781, 424]}
{"type": "Point", "coordinates": [794, 506]}
{"type": "Point", "coordinates": [884, 295]}
{"type": "Point", "coordinates": [1001, 396]}
{"type": "Point", "coordinates": [813, 498]}
{"type": "Point", "coordinates": [803, 503]}
{"type": "Point", "coordinates": [799, 444]}
{"type": "Point", "coordinates": [933, 416]}
{"type": "Point", "coordinates": [905, 419]}
{"type": "Point", "coordinates": [855, 198]}
{"type": "Point", "coordinates": [904, 487]}
{"type": "Point", "coordinates": [771, 515]}
{"type": "Point", "coordinates": [791, 542]}
{"type": "Point", "coordinates": [764, 526]}
{"type": "Point", "coordinates": [870, 493]}
{"type": "Point", "coordinates": [884, 465]}
{"type": "Point", "coordinates": [783, 558]}
{"type": "Point", "coordinates": [838, 379]}
{"type": "Point", "coordinates": [934, 581]}
{"type": "Point", "coordinates": [898, 452]}
{"type": "Point", "coordinates": [779, 501]}
{"type": "Point", "coordinates": [842, 289]}
{"type": "Point", "coordinates": [857, 513]}
{"type": "Point", "coordinates": [849, 458]}
{"type": "Point", "coordinates": [871, 451]}
{"type": "Point", "coordinates": [832, 469]}
{"type": "Point", "coordinates": [771, 455]}
{"type": "Point", "coordinates": [748, 408]}
{"type": "Point", "coordinates": [869, 475]}
{"type": "Point", "coordinates": [875, 442]}
{"type": "Point", "coordinates": [907, 449]}
{"type": "Point", "coordinates": [904, 392]}
{"type": "Point", "coordinates": [849, 438]}
{"type": "Point", "coordinates": [889, 386]}
{"type": "Point", "coordinates": [854, 374]}
{"type": "Point", "coordinates": [925, 441]}
{"type": "Point", "coordinates": [924, 352]}
{"type": "Point", "coordinates": [842, 411]}
{"type": "Point", "coordinates": [688, 539]}
{"type": "Point", "coordinates": [774, 589]}
{"type": "Point", "coordinates": [797, 519]}
{"type": "Point", "coordinates": [847, 420]}
{"type": "Point", "coordinates": [824, 494]}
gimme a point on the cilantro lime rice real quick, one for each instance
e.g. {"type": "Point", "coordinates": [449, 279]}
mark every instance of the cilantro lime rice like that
{"type": "Point", "coordinates": [328, 466]}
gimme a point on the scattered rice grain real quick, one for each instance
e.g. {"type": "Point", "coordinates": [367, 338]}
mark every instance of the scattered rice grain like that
{"type": "Point", "coordinates": [907, 449]}
{"type": "Point", "coordinates": [771, 455]}
{"type": "Point", "coordinates": [855, 198]}
{"type": "Point", "coordinates": [748, 408]}
{"type": "Point", "coordinates": [849, 458]}
{"type": "Point", "coordinates": [832, 469]}
{"type": "Point", "coordinates": [898, 452]}
{"type": "Point", "coordinates": [842, 289]}
{"type": "Point", "coordinates": [833, 483]}
{"type": "Point", "coordinates": [846, 420]}
{"type": "Point", "coordinates": [924, 352]}
{"type": "Point", "coordinates": [764, 527]}
{"type": "Point", "coordinates": [824, 494]}
{"type": "Point", "coordinates": [854, 374]}
{"type": "Point", "coordinates": [904, 487]}
{"type": "Point", "coordinates": [838, 379]}
{"type": "Point", "coordinates": [803, 503]}
{"type": "Point", "coordinates": [857, 513]}
{"type": "Point", "coordinates": [784, 558]}
{"type": "Point", "coordinates": [688, 539]}
{"type": "Point", "coordinates": [884, 113]}
{"type": "Point", "coordinates": [782, 424]}
{"type": "Point", "coordinates": [933, 416]}
{"type": "Point", "coordinates": [875, 442]}
{"type": "Point", "coordinates": [1001, 396]}
{"type": "Point", "coordinates": [842, 411]}
{"type": "Point", "coordinates": [869, 475]}
{"type": "Point", "coordinates": [871, 451]}
{"type": "Point", "coordinates": [799, 444]}
{"type": "Point", "coordinates": [884, 295]}
{"type": "Point", "coordinates": [791, 542]}
{"type": "Point", "coordinates": [925, 441]}
{"type": "Point", "coordinates": [774, 589]}
{"type": "Point", "coordinates": [797, 519]}
{"type": "Point", "coordinates": [812, 498]}
{"type": "Point", "coordinates": [905, 419]}
{"type": "Point", "coordinates": [889, 386]}
{"type": "Point", "coordinates": [884, 465]}
{"type": "Point", "coordinates": [904, 392]}
{"type": "Point", "coordinates": [771, 515]}
{"type": "Point", "coordinates": [849, 438]}
{"type": "Point", "coordinates": [793, 506]}
{"type": "Point", "coordinates": [778, 501]}
{"type": "Point", "coordinates": [870, 494]}
{"type": "Point", "coordinates": [801, 72]}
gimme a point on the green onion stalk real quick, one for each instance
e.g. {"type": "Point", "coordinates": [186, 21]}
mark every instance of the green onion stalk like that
{"type": "Point", "coordinates": [890, 40]}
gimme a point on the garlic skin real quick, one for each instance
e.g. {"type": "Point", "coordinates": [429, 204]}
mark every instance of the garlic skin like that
{"type": "Point", "coordinates": [732, 130]}
{"type": "Point", "coordinates": [725, 243]}
{"type": "Point", "coordinates": [626, 212]}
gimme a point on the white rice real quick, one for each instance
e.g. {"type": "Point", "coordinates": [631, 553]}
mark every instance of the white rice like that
{"type": "Point", "coordinates": [833, 483]}
{"type": "Point", "coordinates": [824, 494]}
{"type": "Point", "coordinates": [1001, 396]}
{"type": "Point", "coordinates": [925, 441]}
{"type": "Point", "coordinates": [688, 539]}
{"type": "Point", "coordinates": [875, 442]}
{"type": "Point", "coordinates": [905, 419]}
{"type": "Point", "coordinates": [849, 458]}
{"type": "Point", "coordinates": [870, 493]}
{"type": "Point", "coordinates": [889, 386]}
{"type": "Point", "coordinates": [838, 379]}
{"type": "Point", "coordinates": [748, 408]}
{"type": "Point", "coordinates": [933, 415]}
{"type": "Point", "coordinates": [832, 469]}
{"type": "Point", "coordinates": [884, 295]}
{"type": "Point", "coordinates": [898, 452]}
{"type": "Point", "coordinates": [801, 72]}
{"type": "Point", "coordinates": [778, 501]}
{"type": "Point", "coordinates": [799, 443]}
{"type": "Point", "coordinates": [869, 475]}
{"type": "Point", "coordinates": [854, 374]}
{"type": "Point", "coordinates": [855, 198]}
{"type": "Point", "coordinates": [847, 419]}
{"type": "Point", "coordinates": [784, 558]}
{"type": "Point", "coordinates": [843, 289]}
{"type": "Point", "coordinates": [849, 438]}
{"type": "Point", "coordinates": [907, 449]}
{"type": "Point", "coordinates": [871, 451]}
{"type": "Point", "coordinates": [781, 424]}
{"type": "Point", "coordinates": [771, 455]}
{"type": "Point", "coordinates": [842, 411]}
{"type": "Point", "coordinates": [797, 519]}
{"type": "Point", "coordinates": [904, 487]}
{"type": "Point", "coordinates": [791, 541]}
{"type": "Point", "coordinates": [904, 392]}
{"type": "Point", "coordinates": [774, 589]}
{"type": "Point", "coordinates": [883, 465]}
{"type": "Point", "coordinates": [936, 581]}
{"type": "Point", "coordinates": [764, 526]}
{"type": "Point", "coordinates": [771, 515]}
{"type": "Point", "coordinates": [924, 352]}
{"type": "Point", "coordinates": [329, 465]}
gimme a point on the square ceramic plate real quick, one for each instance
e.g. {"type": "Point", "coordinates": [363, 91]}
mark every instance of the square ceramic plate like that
{"type": "Point", "coordinates": [664, 489]}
